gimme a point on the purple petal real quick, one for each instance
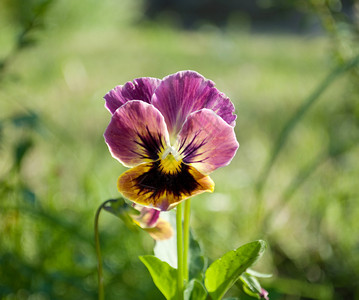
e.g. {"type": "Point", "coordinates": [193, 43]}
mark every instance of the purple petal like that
{"type": "Point", "coordinates": [184, 92]}
{"type": "Point", "coordinates": [148, 216]}
{"type": "Point", "coordinates": [138, 89]}
{"type": "Point", "coordinates": [264, 294]}
{"type": "Point", "coordinates": [149, 220]}
{"type": "Point", "coordinates": [137, 133]}
{"type": "Point", "coordinates": [206, 141]}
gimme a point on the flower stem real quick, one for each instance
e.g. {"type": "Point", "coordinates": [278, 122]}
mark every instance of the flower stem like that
{"type": "Point", "coordinates": [101, 291]}
{"type": "Point", "coordinates": [179, 252]}
{"type": "Point", "coordinates": [186, 221]}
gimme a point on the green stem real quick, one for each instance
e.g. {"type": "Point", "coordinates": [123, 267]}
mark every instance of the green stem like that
{"type": "Point", "coordinates": [101, 291]}
{"type": "Point", "coordinates": [179, 252]}
{"type": "Point", "coordinates": [186, 221]}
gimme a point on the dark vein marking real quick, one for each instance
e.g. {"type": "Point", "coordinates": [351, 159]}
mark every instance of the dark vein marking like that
{"type": "Point", "coordinates": [151, 144]}
{"type": "Point", "coordinates": [155, 183]}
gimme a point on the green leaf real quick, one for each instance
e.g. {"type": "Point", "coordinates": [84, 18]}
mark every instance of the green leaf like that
{"type": "Point", "coordinates": [258, 274]}
{"type": "Point", "coordinates": [225, 271]}
{"type": "Point", "coordinates": [251, 283]}
{"type": "Point", "coordinates": [163, 275]}
{"type": "Point", "coordinates": [248, 291]}
{"type": "Point", "coordinates": [197, 261]}
{"type": "Point", "coordinates": [195, 291]}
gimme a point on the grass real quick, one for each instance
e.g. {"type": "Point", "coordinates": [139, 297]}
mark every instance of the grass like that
{"type": "Point", "coordinates": [49, 200]}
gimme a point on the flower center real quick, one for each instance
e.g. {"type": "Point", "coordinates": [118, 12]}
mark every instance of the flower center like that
{"type": "Point", "coordinates": [170, 161]}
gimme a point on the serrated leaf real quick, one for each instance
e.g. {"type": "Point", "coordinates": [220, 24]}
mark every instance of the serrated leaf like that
{"type": "Point", "coordinates": [163, 275]}
{"type": "Point", "coordinates": [225, 271]}
{"type": "Point", "coordinates": [197, 262]}
{"type": "Point", "coordinates": [195, 291]}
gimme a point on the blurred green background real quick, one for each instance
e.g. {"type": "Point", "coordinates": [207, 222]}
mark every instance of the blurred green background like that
{"type": "Point", "coordinates": [288, 67]}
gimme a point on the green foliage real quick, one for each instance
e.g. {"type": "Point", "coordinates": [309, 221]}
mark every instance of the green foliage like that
{"type": "Point", "coordinates": [219, 277]}
{"type": "Point", "coordinates": [197, 261]}
{"type": "Point", "coordinates": [28, 16]}
{"type": "Point", "coordinates": [225, 271]}
{"type": "Point", "coordinates": [163, 275]}
{"type": "Point", "coordinates": [195, 291]}
{"type": "Point", "coordinates": [25, 13]}
{"type": "Point", "coordinates": [21, 149]}
{"type": "Point", "coordinates": [250, 285]}
{"type": "Point", "coordinates": [29, 120]}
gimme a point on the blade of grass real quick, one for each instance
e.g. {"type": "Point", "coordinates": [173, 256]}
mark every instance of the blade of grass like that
{"type": "Point", "coordinates": [305, 173]}
{"type": "Point", "coordinates": [298, 115]}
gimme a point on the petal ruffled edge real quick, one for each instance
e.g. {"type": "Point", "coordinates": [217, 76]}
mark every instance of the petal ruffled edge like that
{"type": "Point", "coordinates": [136, 133]}
{"type": "Point", "coordinates": [138, 89]}
{"type": "Point", "coordinates": [206, 141]}
{"type": "Point", "coordinates": [184, 92]}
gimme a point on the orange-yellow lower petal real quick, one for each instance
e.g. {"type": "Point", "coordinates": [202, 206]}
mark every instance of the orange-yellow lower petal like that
{"type": "Point", "coordinates": [148, 184]}
{"type": "Point", "coordinates": [162, 230]}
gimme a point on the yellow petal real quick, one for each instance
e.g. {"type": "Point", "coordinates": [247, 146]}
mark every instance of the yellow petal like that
{"type": "Point", "coordinates": [148, 184]}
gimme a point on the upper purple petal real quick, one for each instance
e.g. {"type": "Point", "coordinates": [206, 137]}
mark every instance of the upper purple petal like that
{"type": "Point", "coordinates": [137, 133]}
{"type": "Point", "coordinates": [206, 141]}
{"type": "Point", "coordinates": [138, 89]}
{"type": "Point", "coordinates": [184, 92]}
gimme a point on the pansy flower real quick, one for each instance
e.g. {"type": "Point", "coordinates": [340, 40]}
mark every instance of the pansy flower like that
{"type": "Point", "coordinates": [172, 133]}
